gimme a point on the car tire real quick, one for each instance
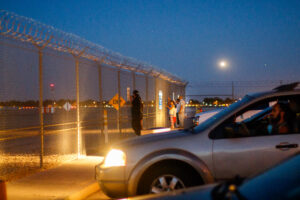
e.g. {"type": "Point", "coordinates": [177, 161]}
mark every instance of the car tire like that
{"type": "Point", "coordinates": [167, 178]}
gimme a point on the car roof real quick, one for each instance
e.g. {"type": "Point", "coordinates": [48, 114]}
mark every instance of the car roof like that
{"type": "Point", "coordinates": [274, 93]}
{"type": "Point", "coordinates": [288, 89]}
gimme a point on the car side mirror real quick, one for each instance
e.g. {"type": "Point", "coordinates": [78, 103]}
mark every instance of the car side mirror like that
{"type": "Point", "coordinates": [189, 123]}
{"type": "Point", "coordinates": [189, 119]}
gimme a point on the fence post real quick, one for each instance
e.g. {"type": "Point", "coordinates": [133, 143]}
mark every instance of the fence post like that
{"type": "Point", "coordinates": [155, 101]}
{"type": "Point", "coordinates": [100, 95]}
{"type": "Point", "coordinates": [41, 106]}
{"type": "Point", "coordinates": [119, 106]}
{"type": "Point", "coordinates": [184, 89]}
{"type": "Point", "coordinates": [41, 114]}
{"type": "Point", "coordinates": [232, 88]}
{"type": "Point", "coordinates": [133, 80]}
{"type": "Point", "coordinates": [105, 126]}
{"type": "Point", "coordinates": [78, 108]}
{"type": "Point", "coordinates": [146, 101]}
{"type": "Point", "coordinates": [76, 57]}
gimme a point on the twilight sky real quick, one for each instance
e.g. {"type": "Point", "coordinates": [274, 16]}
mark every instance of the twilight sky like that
{"type": "Point", "coordinates": [259, 39]}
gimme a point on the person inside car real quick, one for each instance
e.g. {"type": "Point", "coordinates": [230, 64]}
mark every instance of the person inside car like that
{"type": "Point", "coordinates": [295, 108]}
{"type": "Point", "coordinates": [281, 119]}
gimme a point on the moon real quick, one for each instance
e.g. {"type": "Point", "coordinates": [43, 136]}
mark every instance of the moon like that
{"type": "Point", "coordinates": [223, 64]}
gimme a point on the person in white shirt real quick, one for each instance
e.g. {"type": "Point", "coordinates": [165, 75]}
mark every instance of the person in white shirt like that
{"type": "Point", "coordinates": [180, 111]}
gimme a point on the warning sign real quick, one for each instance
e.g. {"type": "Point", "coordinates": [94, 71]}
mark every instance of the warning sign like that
{"type": "Point", "coordinates": [114, 102]}
{"type": "Point", "coordinates": [67, 106]}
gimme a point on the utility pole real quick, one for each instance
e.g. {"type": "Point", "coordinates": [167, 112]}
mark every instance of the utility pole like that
{"type": "Point", "coordinates": [232, 90]}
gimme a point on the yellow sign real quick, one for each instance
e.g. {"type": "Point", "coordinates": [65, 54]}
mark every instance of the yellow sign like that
{"type": "Point", "coordinates": [114, 102]}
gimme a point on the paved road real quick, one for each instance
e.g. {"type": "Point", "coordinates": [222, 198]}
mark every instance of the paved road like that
{"type": "Point", "coordinates": [70, 179]}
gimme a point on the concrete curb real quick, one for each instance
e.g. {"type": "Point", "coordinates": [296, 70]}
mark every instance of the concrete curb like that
{"type": "Point", "coordinates": [84, 193]}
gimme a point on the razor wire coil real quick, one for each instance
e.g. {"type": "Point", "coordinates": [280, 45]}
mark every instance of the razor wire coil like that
{"type": "Point", "coordinates": [28, 30]}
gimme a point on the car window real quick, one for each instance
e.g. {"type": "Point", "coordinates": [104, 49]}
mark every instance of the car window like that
{"type": "Point", "coordinates": [220, 115]}
{"type": "Point", "coordinates": [246, 115]}
{"type": "Point", "coordinates": [277, 115]}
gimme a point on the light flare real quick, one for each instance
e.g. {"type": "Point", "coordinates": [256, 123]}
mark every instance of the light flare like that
{"type": "Point", "coordinates": [115, 158]}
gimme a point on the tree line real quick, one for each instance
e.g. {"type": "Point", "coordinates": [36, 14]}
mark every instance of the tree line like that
{"type": "Point", "coordinates": [213, 100]}
{"type": "Point", "coordinates": [60, 102]}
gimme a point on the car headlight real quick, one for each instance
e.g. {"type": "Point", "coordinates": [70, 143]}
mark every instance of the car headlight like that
{"type": "Point", "coordinates": [115, 158]}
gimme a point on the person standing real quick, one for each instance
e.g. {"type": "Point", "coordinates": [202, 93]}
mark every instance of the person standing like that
{"type": "Point", "coordinates": [177, 112]}
{"type": "Point", "coordinates": [172, 114]}
{"type": "Point", "coordinates": [181, 111]}
{"type": "Point", "coordinates": [169, 107]}
{"type": "Point", "coordinates": [136, 112]}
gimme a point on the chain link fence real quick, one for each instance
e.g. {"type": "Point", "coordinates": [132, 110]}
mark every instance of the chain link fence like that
{"type": "Point", "coordinates": [54, 89]}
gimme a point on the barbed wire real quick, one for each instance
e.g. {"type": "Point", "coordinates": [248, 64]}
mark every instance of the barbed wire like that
{"type": "Point", "coordinates": [28, 30]}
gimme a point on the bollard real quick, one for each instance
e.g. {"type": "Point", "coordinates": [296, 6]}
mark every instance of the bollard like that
{"type": "Point", "coordinates": [2, 190]}
{"type": "Point", "coordinates": [105, 126]}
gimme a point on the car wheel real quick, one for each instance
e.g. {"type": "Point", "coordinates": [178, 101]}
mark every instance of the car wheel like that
{"type": "Point", "coordinates": [164, 179]}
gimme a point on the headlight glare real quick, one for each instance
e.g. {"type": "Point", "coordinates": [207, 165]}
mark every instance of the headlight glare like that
{"type": "Point", "coordinates": [115, 158]}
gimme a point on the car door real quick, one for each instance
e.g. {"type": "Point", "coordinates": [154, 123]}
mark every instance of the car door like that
{"type": "Point", "coordinates": [254, 151]}
{"type": "Point", "coordinates": [249, 155]}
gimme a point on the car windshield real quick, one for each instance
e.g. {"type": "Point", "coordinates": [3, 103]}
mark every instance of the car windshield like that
{"type": "Point", "coordinates": [220, 115]}
{"type": "Point", "coordinates": [258, 115]}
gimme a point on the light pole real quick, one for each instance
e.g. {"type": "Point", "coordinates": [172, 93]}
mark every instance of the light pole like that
{"type": "Point", "coordinates": [52, 87]}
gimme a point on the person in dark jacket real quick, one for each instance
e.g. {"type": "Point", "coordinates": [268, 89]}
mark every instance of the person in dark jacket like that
{"type": "Point", "coordinates": [136, 112]}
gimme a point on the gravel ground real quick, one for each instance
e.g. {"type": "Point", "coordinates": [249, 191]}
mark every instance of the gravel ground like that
{"type": "Point", "coordinates": [20, 157]}
{"type": "Point", "coordinates": [17, 166]}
